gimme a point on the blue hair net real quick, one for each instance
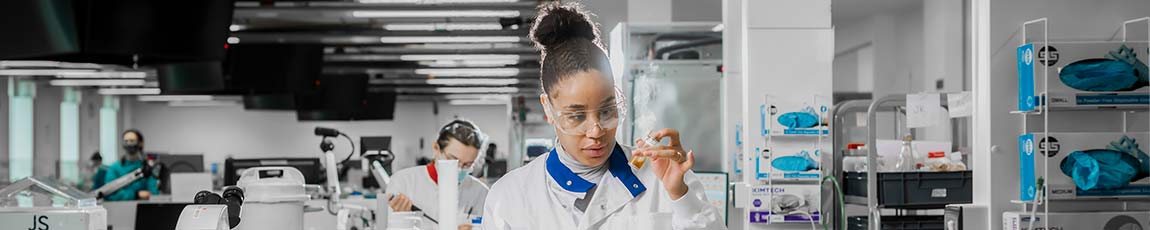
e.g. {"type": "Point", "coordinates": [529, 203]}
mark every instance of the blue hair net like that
{"type": "Point", "coordinates": [796, 163]}
{"type": "Point", "coordinates": [1099, 75]}
{"type": "Point", "coordinates": [806, 118]}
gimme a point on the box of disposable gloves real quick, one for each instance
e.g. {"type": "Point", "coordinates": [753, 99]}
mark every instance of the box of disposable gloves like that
{"type": "Point", "coordinates": [1084, 165]}
{"type": "Point", "coordinates": [1083, 74]}
{"type": "Point", "coordinates": [785, 204]}
{"type": "Point", "coordinates": [1077, 221]}
{"type": "Point", "coordinates": [795, 115]}
{"type": "Point", "coordinates": [790, 163]}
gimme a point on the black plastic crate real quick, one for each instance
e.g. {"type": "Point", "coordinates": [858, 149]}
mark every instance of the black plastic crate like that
{"type": "Point", "coordinates": [899, 223]}
{"type": "Point", "coordinates": [914, 189]}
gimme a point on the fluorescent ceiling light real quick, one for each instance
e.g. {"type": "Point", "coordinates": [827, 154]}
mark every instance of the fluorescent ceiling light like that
{"type": "Point", "coordinates": [175, 98]}
{"type": "Point", "coordinates": [128, 91]}
{"type": "Point", "coordinates": [476, 90]}
{"type": "Point", "coordinates": [477, 102]}
{"type": "Point", "coordinates": [81, 75]}
{"type": "Point", "coordinates": [450, 26]}
{"type": "Point", "coordinates": [477, 96]}
{"type": "Point", "coordinates": [468, 63]}
{"type": "Point", "coordinates": [435, 13]}
{"type": "Point", "coordinates": [434, 1]}
{"type": "Point", "coordinates": [203, 103]}
{"type": "Point", "coordinates": [472, 81]}
{"type": "Point", "coordinates": [466, 57]}
{"type": "Point", "coordinates": [447, 39]}
{"type": "Point", "coordinates": [233, 40]}
{"type": "Point", "coordinates": [470, 72]}
{"type": "Point", "coordinates": [464, 46]}
{"type": "Point", "coordinates": [29, 64]}
{"type": "Point", "coordinates": [40, 72]}
{"type": "Point", "coordinates": [235, 28]}
{"type": "Point", "coordinates": [97, 82]}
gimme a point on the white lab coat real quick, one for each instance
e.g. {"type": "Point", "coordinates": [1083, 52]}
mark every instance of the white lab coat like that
{"type": "Point", "coordinates": [531, 197]}
{"type": "Point", "coordinates": [416, 183]}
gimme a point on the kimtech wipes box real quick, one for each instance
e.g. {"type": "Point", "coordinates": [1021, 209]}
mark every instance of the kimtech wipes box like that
{"type": "Point", "coordinates": [1077, 221]}
{"type": "Point", "coordinates": [1058, 146]}
{"type": "Point", "coordinates": [1083, 74]}
{"type": "Point", "coordinates": [785, 204]}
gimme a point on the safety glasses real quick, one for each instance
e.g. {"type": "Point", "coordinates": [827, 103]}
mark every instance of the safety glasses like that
{"type": "Point", "coordinates": [579, 122]}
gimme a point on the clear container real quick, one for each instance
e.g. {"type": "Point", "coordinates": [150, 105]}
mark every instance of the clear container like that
{"type": "Point", "coordinates": [51, 204]}
{"type": "Point", "coordinates": [44, 192]}
{"type": "Point", "coordinates": [855, 159]}
{"type": "Point", "coordinates": [937, 162]}
{"type": "Point", "coordinates": [906, 156]}
{"type": "Point", "coordinates": [956, 163]}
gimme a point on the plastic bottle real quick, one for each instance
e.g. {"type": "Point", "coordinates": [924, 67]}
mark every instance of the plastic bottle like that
{"type": "Point", "coordinates": [906, 161]}
{"type": "Point", "coordinates": [217, 180]}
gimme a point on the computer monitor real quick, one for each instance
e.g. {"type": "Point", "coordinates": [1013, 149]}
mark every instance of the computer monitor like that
{"type": "Point", "coordinates": [182, 163]}
{"type": "Point", "coordinates": [374, 144]}
{"type": "Point", "coordinates": [158, 215]}
{"type": "Point", "coordinates": [311, 168]}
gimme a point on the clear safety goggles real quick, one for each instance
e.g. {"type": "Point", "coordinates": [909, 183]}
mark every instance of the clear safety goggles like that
{"type": "Point", "coordinates": [464, 165]}
{"type": "Point", "coordinates": [579, 122]}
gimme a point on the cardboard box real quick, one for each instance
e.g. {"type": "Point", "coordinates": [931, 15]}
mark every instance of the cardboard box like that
{"type": "Point", "coordinates": [1077, 221]}
{"type": "Point", "coordinates": [766, 201]}
{"type": "Point", "coordinates": [1059, 184]}
{"type": "Point", "coordinates": [1031, 80]}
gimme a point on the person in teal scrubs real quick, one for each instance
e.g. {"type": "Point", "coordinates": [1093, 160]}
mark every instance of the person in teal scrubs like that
{"type": "Point", "coordinates": [99, 171]}
{"type": "Point", "coordinates": [133, 159]}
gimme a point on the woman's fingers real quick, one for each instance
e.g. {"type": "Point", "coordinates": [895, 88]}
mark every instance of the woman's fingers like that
{"type": "Point", "coordinates": [667, 132]}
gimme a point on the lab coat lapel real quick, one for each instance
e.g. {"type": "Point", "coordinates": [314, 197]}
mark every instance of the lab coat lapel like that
{"type": "Point", "coordinates": [614, 192]}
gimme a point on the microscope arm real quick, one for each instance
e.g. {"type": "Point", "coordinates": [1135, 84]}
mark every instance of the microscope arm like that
{"type": "Point", "coordinates": [119, 183]}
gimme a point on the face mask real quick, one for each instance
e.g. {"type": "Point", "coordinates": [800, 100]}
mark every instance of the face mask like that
{"type": "Point", "coordinates": [463, 172]}
{"type": "Point", "coordinates": [131, 148]}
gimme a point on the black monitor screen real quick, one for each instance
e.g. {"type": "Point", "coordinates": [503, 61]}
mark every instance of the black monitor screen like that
{"type": "Point", "coordinates": [274, 68]}
{"type": "Point", "coordinates": [311, 168]}
{"type": "Point", "coordinates": [182, 163]}
{"type": "Point", "coordinates": [158, 215]}
{"type": "Point", "coordinates": [38, 28]}
{"type": "Point", "coordinates": [156, 31]}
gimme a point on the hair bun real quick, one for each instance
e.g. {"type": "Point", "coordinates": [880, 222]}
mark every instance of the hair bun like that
{"type": "Point", "coordinates": [559, 23]}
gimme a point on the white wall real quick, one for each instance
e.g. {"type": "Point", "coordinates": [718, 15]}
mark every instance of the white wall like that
{"type": "Point", "coordinates": [996, 172]}
{"type": "Point", "coordinates": [219, 132]}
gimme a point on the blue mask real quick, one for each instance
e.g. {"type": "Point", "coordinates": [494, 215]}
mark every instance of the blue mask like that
{"type": "Point", "coordinates": [463, 174]}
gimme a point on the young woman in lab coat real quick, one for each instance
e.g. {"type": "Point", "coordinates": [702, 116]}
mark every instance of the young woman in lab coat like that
{"type": "Point", "coordinates": [586, 181]}
{"type": "Point", "coordinates": [418, 186]}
